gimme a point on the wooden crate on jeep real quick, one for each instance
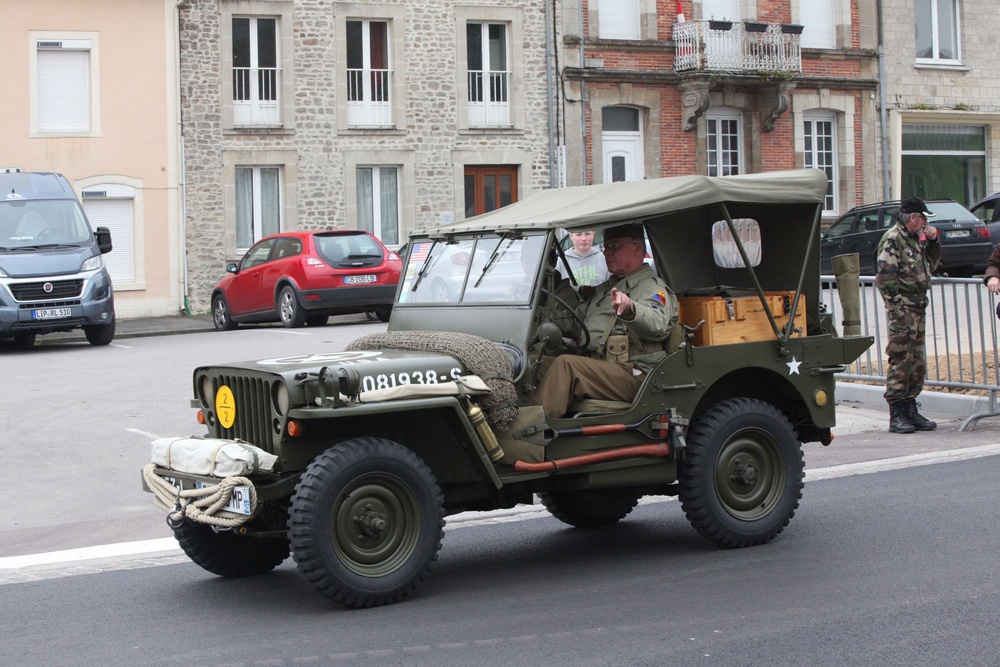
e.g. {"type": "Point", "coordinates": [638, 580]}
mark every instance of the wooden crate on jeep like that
{"type": "Point", "coordinates": [739, 319]}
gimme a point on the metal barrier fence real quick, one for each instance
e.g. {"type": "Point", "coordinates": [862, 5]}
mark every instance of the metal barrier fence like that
{"type": "Point", "coordinates": [961, 337]}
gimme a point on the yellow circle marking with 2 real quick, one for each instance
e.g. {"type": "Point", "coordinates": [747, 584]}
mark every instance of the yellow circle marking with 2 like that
{"type": "Point", "coordinates": [225, 406]}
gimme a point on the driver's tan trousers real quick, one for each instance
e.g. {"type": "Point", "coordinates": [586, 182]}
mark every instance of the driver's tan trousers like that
{"type": "Point", "coordinates": [570, 378]}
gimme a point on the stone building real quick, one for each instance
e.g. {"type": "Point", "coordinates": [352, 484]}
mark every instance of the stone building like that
{"type": "Point", "coordinates": [942, 136]}
{"type": "Point", "coordinates": [387, 116]}
{"type": "Point", "coordinates": [663, 88]}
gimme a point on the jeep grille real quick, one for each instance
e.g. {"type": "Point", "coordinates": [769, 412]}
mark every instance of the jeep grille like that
{"type": "Point", "coordinates": [253, 409]}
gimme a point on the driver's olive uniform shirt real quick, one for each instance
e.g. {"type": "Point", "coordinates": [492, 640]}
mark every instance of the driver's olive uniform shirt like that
{"type": "Point", "coordinates": [655, 316]}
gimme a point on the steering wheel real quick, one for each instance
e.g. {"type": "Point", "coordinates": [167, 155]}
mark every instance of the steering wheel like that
{"type": "Point", "coordinates": [47, 233]}
{"type": "Point", "coordinates": [584, 343]}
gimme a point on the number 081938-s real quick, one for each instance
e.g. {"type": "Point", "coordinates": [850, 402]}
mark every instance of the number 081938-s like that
{"type": "Point", "coordinates": [389, 380]}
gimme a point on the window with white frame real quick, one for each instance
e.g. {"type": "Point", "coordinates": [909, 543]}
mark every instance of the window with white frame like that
{"type": "Point", "coordinates": [113, 206]}
{"type": "Point", "coordinates": [618, 19]}
{"type": "Point", "coordinates": [489, 74]}
{"type": "Point", "coordinates": [378, 202]}
{"type": "Point", "coordinates": [937, 34]}
{"type": "Point", "coordinates": [63, 85]}
{"type": "Point", "coordinates": [724, 141]}
{"type": "Point", "coordinates": [256, 75]}
{"type": "Point", "coordinates": [369, 75]}
{"type": "Point", "coordinates": [819, 134]}
{"type": "Point", "coordinates": [258, 204]}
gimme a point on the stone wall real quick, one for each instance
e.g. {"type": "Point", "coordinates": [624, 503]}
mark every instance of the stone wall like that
{"type": "Point", "coordinates": [316, 148]}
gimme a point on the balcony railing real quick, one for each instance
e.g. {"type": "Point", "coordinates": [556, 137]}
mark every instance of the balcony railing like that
{"type": "Point", "coordinates": [700, 48]}
{"type": "Point", "coordinates": [256, 96]}
{"type": "Point", "coordinates": [489, 98]}
{"type": "Point", "coordinates": [369, 97]}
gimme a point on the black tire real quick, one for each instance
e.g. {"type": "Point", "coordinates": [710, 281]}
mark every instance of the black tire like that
{"type": "Point", "coordinates": [383, 313]}
{"type": "Point", "coordinates": [589, 508]}
{"type": "Point", "coordinates": [290, 313]}
{"type": "Point", "coordinates": [100, 334]}
{"type": "Point", "coordinates": [961, 271]}
{"type": "Point", "coordinates": [222, 317]}
{"type": "Point", "coordinates": [755, 440]}
{"type": "Point", "coordinates": [25, 340]}
{"type": "Point", "coordinates": [317, 320]}
{"type": "Point", "coordinates": [366, 522]}
{"type": "Point", "coordinates": [229, 554]}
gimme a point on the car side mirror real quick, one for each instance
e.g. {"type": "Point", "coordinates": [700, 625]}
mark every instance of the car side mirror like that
{"type": "Point", "coordinates": [232, 267]}
{"type": "Point", "coordinates": [103, 238]}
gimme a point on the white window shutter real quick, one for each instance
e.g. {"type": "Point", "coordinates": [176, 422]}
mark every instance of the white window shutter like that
{"type": "Point", "coordinates": [116, 215]}
{"type": "Point", "coordinates": [817, 16]}
{"type": "Point", "coordinates": [719, 10]}
{"type": "Point", "coordinates": [618, 19]}
{"type": "Point", "coordinates": [63, 90]}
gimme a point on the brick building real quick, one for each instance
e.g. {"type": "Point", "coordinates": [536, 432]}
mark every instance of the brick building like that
{"type": "Point", "coordinates": [733, 87]}
{"type": "Point", "coordinates": [388, 116]}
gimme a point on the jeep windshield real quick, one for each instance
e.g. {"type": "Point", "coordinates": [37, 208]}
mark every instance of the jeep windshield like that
{"type": "Point", "coordinates": [483, 269]}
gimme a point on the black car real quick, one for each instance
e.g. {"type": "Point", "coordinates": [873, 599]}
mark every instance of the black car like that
{"type": "Point", "coordinates": [988, 210]}
{"type": "Point", "coordinates": [965, 239]}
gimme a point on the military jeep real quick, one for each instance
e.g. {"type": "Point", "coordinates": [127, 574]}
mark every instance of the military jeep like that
{"type": "Point", "coordinates": [356, 457]}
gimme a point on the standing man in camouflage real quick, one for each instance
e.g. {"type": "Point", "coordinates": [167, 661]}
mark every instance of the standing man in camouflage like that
{"type": "Point", "coordinates": [907, 255]}
{"type": "Point", "coordinates": [629, 318]}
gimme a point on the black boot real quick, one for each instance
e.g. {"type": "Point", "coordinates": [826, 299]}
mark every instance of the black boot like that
{"type": "Point", "coordinates": [919, 422]}
{"type": "Point", "coordinates": [898, 422]}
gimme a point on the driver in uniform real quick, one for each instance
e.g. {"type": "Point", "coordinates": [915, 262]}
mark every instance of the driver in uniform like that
{"type": "Point", "coordinates": [633, 305]}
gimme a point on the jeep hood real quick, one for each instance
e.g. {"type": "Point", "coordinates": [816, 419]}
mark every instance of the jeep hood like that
{"type": "Point", "coordinates": [377, 369]}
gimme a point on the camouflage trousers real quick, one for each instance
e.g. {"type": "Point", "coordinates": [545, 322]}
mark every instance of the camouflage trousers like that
{"type": "Point", "coordinates": [907, 361]}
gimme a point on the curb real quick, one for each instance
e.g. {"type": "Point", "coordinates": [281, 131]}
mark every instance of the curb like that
{"type": "Point", "coordinates": [933, 402]}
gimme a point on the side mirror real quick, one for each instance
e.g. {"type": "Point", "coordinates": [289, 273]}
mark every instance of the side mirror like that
{"type": "Point", "coordinates": [232, 267]}
{"type": "Point", "coordinates": [103, 238]}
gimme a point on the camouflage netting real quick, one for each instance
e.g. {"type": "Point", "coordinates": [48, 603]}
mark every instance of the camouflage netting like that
{"type": "Point", "coordinates": [478, 355]}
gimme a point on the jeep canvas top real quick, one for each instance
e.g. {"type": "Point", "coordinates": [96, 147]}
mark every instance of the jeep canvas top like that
{"type": "Point", "coordinates": [52, 274]}
{"type": "Point", "coordinates": [350, 460]}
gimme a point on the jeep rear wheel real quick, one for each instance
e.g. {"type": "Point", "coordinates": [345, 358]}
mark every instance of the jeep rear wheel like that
{"type": "Point", "coordinates": [742, 474]}
{"type": "Point", "coordinates": [589, 508]}
{"type": "Point", "coordinates": [229, 554]}
{"type": "Point", "coordinates": [366, 522]}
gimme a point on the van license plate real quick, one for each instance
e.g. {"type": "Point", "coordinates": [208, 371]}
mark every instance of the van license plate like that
{"type": "Point", "coordinates": [51, 313]}
{"type": "Point", "coordinates": [360, 280]}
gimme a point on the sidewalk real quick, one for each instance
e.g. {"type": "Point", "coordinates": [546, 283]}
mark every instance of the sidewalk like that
{"type": "Point", "coordinates": [140, 327]}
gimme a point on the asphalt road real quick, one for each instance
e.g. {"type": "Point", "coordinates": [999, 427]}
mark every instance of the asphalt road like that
{"type": "Point", "coordinates": [889, 568]}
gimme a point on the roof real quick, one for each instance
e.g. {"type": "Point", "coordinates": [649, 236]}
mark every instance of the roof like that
{"type": "Point", "coordinates": [590, 206]}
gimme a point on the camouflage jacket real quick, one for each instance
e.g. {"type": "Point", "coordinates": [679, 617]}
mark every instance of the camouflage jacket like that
{"type": "Point", "coordinates": [650, 325]}
{"type": "Point", "coordinates": [904, 267]}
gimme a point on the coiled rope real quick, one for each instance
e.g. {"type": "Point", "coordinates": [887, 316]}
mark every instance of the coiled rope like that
{"type": "Point", "coordinates": [203, 505]}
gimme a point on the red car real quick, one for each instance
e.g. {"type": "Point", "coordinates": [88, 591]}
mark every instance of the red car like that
{"type": "Point", "coordinates": [303, 277]}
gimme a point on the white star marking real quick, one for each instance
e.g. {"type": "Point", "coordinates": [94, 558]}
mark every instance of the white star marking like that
{"type": "Point", "coordinates": [793, 366]}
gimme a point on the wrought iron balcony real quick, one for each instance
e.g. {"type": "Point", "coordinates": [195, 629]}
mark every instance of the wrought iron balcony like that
{"type": "Point", "coordinates": [746, 48]}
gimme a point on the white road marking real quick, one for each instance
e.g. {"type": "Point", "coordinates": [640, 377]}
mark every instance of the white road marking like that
{"type": "Point", "coordinates": [143, 433]}
{"type": "Point", "coordinates": [15, 565]}
{"type": "Point", "coordinates": [124, 347]}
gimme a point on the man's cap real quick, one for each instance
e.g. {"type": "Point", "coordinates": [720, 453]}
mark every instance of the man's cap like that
{"type": "Point", "coordinates": [915, 205]}
{"type": "Point", "coordinates": [630, 231]}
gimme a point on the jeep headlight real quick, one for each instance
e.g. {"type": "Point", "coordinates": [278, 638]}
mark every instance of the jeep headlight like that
{"type": "Point", "coordinates": [207, 392]}
{"type": "Point", "coordinates": [279, 396]}
{"type": "Point", "coordinates": [93, 264]}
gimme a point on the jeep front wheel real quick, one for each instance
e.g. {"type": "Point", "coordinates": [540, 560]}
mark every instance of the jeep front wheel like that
{"type": "Point", "coordinates": [742, 474]}
{"type": "Point", "coordinates": [589, 508]}
{"type": "Point", "coordinates": [366, 522]}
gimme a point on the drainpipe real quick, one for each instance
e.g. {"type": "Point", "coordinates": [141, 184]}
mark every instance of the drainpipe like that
{"type": "Point", "coordinates": [881, 103]}
{"type": "Point", "coordinates": [583, 101]}
{"type": "Point", "coordinates": [181, 167]}
{"type": "Point", "coordinates": [549, 91]}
